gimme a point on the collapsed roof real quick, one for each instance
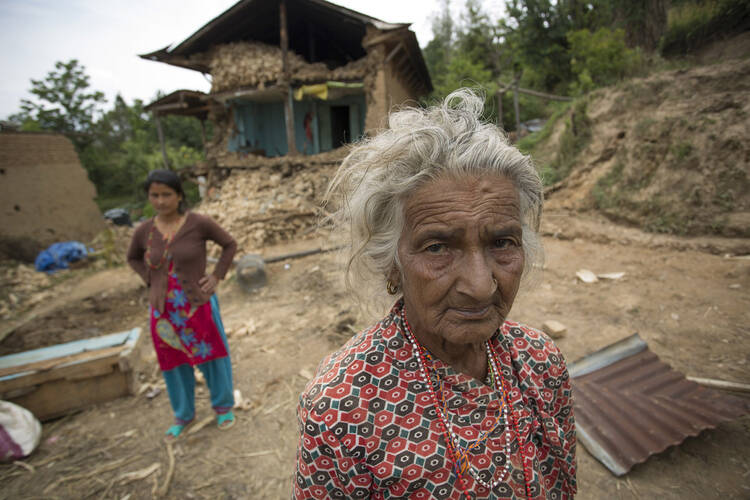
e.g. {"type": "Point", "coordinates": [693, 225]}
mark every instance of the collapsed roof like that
{"type": "Point", "coordinates": [319, 31]}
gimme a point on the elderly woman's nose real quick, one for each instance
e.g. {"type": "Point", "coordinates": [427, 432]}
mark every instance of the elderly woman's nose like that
{"type": "Point", "coordinates": [475, 276]}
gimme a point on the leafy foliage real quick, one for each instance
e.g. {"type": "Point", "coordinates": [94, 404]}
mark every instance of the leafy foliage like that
{"type": "Point", "coordinates": [551, 46]}
{"type": "Point", "coordinates": [63, 104]}
{"type": "Point", "coordinates": [119, 146]}
{"type": "Point", "coordinates": [599, 58]}
{"type": "Point", "coordinates": [692, 24]}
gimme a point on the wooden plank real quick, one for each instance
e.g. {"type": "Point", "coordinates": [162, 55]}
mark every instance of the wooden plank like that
{"type": "Point", "coordinates": [721, 384]}
{"type": "Point", "coordinates": [543, 95]}
{"type": "Point", "coordinates": [49, 364]}
{"type": "Point", "coordinates": [64, 372]}
{"type": "Point", "coordinates": [60, 397]}
{"type": "Point", "coordinates": [288, 105]}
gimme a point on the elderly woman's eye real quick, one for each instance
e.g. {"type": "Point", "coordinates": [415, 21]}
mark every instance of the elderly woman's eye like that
{"type": "Point", "coordinates": [504, 243]}
{"type": "Point", "coordinates": [435, 248]}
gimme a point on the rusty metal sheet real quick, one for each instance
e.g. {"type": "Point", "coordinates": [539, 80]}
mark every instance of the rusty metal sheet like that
{"type": "Point", "coordinates": [629, 405]}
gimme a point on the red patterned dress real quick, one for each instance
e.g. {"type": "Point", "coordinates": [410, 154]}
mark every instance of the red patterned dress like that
{"type": "Point", "coordinates": [369, 428]}
{"type": "Point", "coordinates": [184, 334]}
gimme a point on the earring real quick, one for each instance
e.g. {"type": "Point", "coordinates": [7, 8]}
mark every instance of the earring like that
{"type": "Point", "coordinates": [392, 289]}
{"type": "Point", "coordinates": [494, 283]}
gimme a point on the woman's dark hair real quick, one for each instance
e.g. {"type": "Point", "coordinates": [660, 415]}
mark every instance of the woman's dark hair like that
{"type": "Point", "coordinates": [168, 178]}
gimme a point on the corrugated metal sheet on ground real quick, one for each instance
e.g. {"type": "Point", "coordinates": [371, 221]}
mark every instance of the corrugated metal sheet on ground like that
{"type": "Point", "coordinates": [630, 405]}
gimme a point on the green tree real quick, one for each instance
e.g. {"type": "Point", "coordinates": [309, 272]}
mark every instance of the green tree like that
{"type": "Point", "coordinates": [63, 103]}
{"type": "Point", "coordinates": [599, 58]}
{"type": "Point", "coordinates": [438, 51]}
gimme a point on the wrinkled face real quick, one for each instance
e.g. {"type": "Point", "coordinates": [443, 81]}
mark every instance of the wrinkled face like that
{"type": "Point", "coordinates": [163, 198]}
{"type": "Point", "coordinates": [460, 237]}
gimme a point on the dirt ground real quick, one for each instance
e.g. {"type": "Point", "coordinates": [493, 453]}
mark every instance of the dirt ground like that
{"type": "Point", "coordinates": [691, 306]}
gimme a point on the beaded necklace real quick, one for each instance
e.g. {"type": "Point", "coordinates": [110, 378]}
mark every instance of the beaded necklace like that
{"type": "Point", "coordinates": [149, 245]}
{"type": "Point", "coordinates": [460, 455]}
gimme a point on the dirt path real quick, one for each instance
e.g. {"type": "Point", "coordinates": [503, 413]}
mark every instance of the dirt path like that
{"type": "Point", "coordinates": [693, 309]}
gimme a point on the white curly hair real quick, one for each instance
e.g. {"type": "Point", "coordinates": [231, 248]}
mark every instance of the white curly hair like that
{"type": "Point", "coordinates": [369, 190]}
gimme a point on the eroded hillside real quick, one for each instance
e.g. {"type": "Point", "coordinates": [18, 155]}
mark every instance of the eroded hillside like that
{"type": "Point", "coordinates": [668, 153]}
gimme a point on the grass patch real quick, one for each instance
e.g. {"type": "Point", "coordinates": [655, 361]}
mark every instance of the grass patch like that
{"type": "Point", "coordinates": [681, 150]}
{"type": "Point", "coordinates": [574, 139]}
{"type": "Point", "coordinates": [605, 197]}
{"type": "Point", "coordinates": [692, 24]}
{"type": "Point", "coordinates": [643, 127]}
{"type": "Point", "coordinates": [528, 144]}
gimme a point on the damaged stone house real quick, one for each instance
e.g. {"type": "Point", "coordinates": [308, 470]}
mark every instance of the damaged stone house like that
{"type": "Point", "coordinates": [294, 77]}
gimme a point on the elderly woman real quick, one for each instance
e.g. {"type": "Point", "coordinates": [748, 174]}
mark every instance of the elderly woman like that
{"type": "Point", "coordinates": [444, 397]}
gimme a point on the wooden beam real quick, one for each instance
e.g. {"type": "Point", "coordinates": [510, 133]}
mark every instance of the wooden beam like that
{"type": "Point", "coordinates": [513, 85]}
{"type": "Point", "coordinates": [391, 35]}
{"type": "Point", "coordinates": [288, 105]}
{"type": "Point", "coordinates": [500, 110]}
{"type": "Point", "coordinates": [543, 95]}
{"type": "Point", "coordinates": [395, 51]}
{"type": "Point", "coordinates": [402, 61]}
{"type": "Point", "coordinates": [171, 105]}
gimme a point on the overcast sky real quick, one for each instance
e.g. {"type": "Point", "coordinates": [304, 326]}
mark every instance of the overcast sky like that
{"type": "Point", "coordinates": [106, 36]}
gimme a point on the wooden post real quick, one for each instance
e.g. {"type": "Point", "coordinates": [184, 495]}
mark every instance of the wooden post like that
{"type": "Point", "coordinates": [517, 111]}
{"type": "Point", "coordinates": [316, 128]}
{"type": "Point", "coordinates": [288, 109]}
{"type": "Point", "coordinates": [161, 141]}
{"type": "Point", "coordinates": [500, 109]}
{"type": "Point", "coordinates": [203, 133]}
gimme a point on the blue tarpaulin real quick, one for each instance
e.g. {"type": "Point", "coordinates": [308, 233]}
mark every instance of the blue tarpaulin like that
{"type": "Point", "coordinates": [59, 255]}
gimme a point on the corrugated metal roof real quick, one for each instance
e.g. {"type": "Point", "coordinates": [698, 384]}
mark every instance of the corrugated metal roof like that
{"type": "Point", "coordinates": [630, 405]}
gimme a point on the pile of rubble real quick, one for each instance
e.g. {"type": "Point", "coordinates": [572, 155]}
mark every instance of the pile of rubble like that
{"type": "Point", "coordinates": [257, 65]}
{"type": "Point", "coordinates": [276, 202]}
{"type": "Point", "coordinates": [111, 245]}
{"type": "Point", "coordinates": [22, 287]}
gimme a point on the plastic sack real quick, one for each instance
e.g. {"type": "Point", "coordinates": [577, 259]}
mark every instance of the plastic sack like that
{"type": "Point", "coordinates": [59, 255]}
{"type": "Point", "coordinates": [20, 432]}
{"type": "Point", "coordinates": [119, 216]}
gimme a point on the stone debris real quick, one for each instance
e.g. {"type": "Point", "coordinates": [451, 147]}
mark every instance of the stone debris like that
{"type": "Point", "coordinates": [587, 276]}
{"type": "Point", "coordinates": [610, 276]}
{"type": "Point", "coordinates": [257, 65]}
{"type": "Point", "coordinates": [554, 329]}
{"type": "Point", "coordinates": [269, 205]}
{"type": "Point", "coordinates": [23, 287]}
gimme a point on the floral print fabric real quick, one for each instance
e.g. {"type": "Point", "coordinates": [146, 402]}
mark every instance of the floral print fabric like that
{"type": "Point", "coordinates": [368, 427]}
{"type": "Point", "coordinates": [183, 334]}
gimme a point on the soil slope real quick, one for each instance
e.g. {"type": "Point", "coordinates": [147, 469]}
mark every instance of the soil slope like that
{"type": "Point", "coordinates": [668, 153]}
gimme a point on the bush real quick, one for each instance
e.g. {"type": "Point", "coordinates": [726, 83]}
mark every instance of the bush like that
{"type": "Point", "coordinates": [693, 24]}
{"type": "Point", "coordinates": [574, 139]}
{"type": "Point", "coordinates": [600, 58]}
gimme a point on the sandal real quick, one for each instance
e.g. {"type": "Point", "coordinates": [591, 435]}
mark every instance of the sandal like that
{"type": "Point", "coordinates": [225, 420]}
{"type": "Point", "coordinates": [176, 430]}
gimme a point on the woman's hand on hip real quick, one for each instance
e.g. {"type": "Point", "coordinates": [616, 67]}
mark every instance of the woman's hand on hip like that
{"type": "Point", "coordinates": [208, 284]}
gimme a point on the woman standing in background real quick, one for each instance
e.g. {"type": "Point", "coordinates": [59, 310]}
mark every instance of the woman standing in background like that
{"type": "Point", "coordinates": [169, 253]}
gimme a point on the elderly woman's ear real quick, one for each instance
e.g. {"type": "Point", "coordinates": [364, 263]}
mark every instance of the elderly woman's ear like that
{"type": "Point", "coordinates": [393, 282]}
